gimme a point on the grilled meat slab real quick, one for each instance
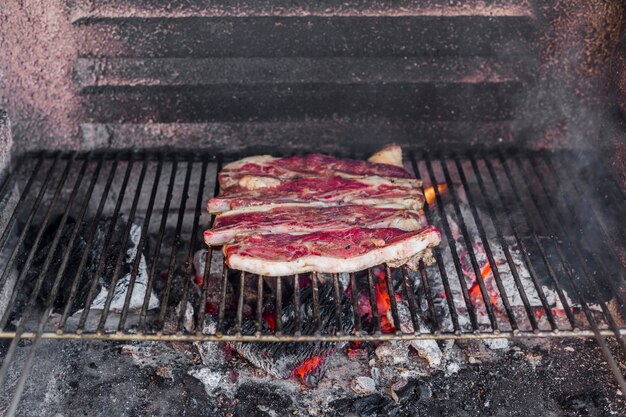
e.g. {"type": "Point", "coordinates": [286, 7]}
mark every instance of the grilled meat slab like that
{"type": "Point", "coordinates": [336, 190]}
{"type": "Point", "coordinates": [303, 218]}
{"type": "Point", "coordinates": [347, 250]}
{"type": "Point", "coordinates": [303, 166]}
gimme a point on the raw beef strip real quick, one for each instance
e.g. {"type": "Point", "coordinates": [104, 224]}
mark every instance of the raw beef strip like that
{"type": "Point", "coordinates": [347, 250]}
{"type": "Point", "coordinates": [372, 191]}
{"type": "Point", "coordinates": [299, 218]}
{"type": "Point", "coordinates": [312, 165]}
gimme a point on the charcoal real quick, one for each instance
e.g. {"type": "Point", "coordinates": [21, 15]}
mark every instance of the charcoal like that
{"type": "Point", "coordinates": [261, 400]}
{"type": "Point", "coordinates": [375, 405]}
{"type": "Point", "coordinates": [93, 257]}
{"type": "Point", "coordinates": [282, 359]}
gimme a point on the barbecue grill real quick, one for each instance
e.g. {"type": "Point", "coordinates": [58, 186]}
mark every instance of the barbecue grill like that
{"type": "Point", "coordinates": [156, 110]}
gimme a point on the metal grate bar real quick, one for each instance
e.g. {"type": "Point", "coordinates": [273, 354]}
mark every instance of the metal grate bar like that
{"type": "Point", "coordinates": [442, 271]}
{"type": "Point", "coordinates": [453, 249]}
{"type": "Point", "coordinates": [534, 262]}
{"type": "Point", "coordinates": [509, 258]}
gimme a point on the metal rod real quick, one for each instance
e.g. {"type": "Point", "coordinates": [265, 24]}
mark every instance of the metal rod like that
{"type": "Point", "coordinates": [159, 241]}
{"type": "Point", "coordinates": [490, 258]}
{"type": "Point", "coordinates": [373, 304]}
{"type": "Point", "coordinates": [453, 249]}
{"type": "Point", "coordinates": [316, 304]}
{"type": "Point", "coordinates": [91, 236]}
{"type": "Point", "coordinates": [588, 314]}
{"type": "Point", "coordinates": [439, 259]}
{"type": "Point", "coordinates": [410, 296]}
{"type": "Point", "coordinates": [192, 250]}
{"type": "Point", "coordinates": [36, 205]}
{"type": "Point", "coordinates": [469, 244]}
{"type": "Point", "coordinates": [57, 281]}
{"type": "Point", "coordinates": [222, 307]}
{"type": "Point", "coordinates": [279, 306]}
{"type": "Point", "coordinates": [123, 249]}
{"type": "Point", "coordinates": [209, 256]}
{"type": "Point", "coordinates": [509, 257]}
{"type": "Point", "coordinates": [296, 305]}
{"type": "Point", "coordinates": [242, 285]}
{"type": "Point", "coordinates": [23, 196]}
{"type": "Point", "coordinates": [429, 297]}
{"type": "Point", "coordinates": [568, 217]}
{"type": "Point", "coordinates": [105, 249]}
{"type": "Point", "coordinates": [392, 298]}
{"type": "Point", "coordinates": [337, 298]}
{"type": "Point", "coordinates": [33, 297]}
{"type": "Point", "coordinates": [551, 274]}
{"type": "Point", "coordinates": [140, 246]}
{"type": "Point", "coordinates": [557, 224]}
{"type": "Point", "coordinates": [176, 244]}
{"type": "Point", "coordinates": [19, 283]}
{"type": "Point", "coordinates": [355, 304]}
{"type": "Point", "coordinates": [259, 304]}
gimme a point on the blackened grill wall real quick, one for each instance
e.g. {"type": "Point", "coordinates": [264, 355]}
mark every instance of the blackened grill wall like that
{"type": "Point", "coordinates": [330, 76]}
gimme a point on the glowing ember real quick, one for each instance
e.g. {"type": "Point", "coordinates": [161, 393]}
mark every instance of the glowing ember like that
{"type": "Point", "coordinates": [270, 318]}
{"type": "Point", "coordinates": [431, 196]}
{"type": "Point", "coordinates": [383, 302]}
{"type": "Point", "coordinates": [309, 365]}
{"type": "Point", "coordinates": [474, 291]}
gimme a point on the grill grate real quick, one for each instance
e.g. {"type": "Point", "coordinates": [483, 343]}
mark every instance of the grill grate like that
{"type": "Point", "coordinates": [548, 266]}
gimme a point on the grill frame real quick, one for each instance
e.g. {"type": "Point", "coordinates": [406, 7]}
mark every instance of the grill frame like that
{"type": "Point", "coordinates": [549, 226]}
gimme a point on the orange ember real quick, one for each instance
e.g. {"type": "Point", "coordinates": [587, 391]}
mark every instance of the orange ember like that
{"type": "Point", "coordinates": [383, 303]}
{"type": "Point", "coordinates": [474, 291]}
{"type": "Point", "coordinates": [270, 319]}
{"type": "Point", "coordinates": [306, 367]}
{"type": "Point", "coordinates": [430, 195]}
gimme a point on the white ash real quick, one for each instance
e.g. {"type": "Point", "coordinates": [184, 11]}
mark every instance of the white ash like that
{"type": "Point", "coordinates": [363, 385]}
{"type": "Point", "coordinates": [122, 286]}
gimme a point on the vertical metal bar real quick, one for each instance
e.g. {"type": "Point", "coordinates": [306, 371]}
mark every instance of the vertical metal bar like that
{"type": "Point", "coordinates": [157, 250]}
{"type": "Point", "coordinates": [222, 307]}
{"type": "Point", "coordinates": [392, 299]}
{"type": "Point", "coordinates": [470, 250]}
{"type": "Point", "coordinates": [259, 305]}
{"type": "Point", "coordinates": [296, 305]}
{"type": "Point", "coordinates": [551, 273]}
{"type": "Point", "coordinates": [555, 170]}
{"type": "Point", "coordinates": [24, 196]}
{"type": "Point", "coordinates": [142, 241]}
{"type": "Point", "coordinates": [440, 265]}
{"type": "Point", "coordinates": [123, 250]}
{"type": "Point", "coordinates": [242, 285]}
{"type": "Point", "coordinates": [36, 205]}
{"type": "Point", "coordinates": [279, 306]}
{"type": "Point", "coordinates": [373, 304]}
{"type": "Point", "coordinates": [105, 249]}
{"type": "Point", "coordinates": [316, 304]}
{"type": "Point", "coordinates": [453, 249]}
{"type": "Point", "coordinates": [355, 304]}
{"type": "Point", "coordinates": [569, 215]}
{"type": "Point", "coordinates": [33, 297]}
{"type": "Point", "coordinates": [509, 257]}
{"type": "Point", "coordinates": [208, 257]}
{"type": "Point", "coordinates": [175, 246]}
{"type": "Point", "coordinates": [429, 297]}
{"type": "Point", "coordinates": [558, 225]}
{"type": "Point", "coordinates": [192, 249]}
{"type": "Point", "coordinates": [337, 298]}
{"type": "Point", "coordinates": [90, 241]}
{"type": "Point", "coordinates": [31, 255]}
{"type": "Point", "coordinates": [57, 281]}
{"type": "Point", "coordinates": [491, 259]}
{"type": "Point", "coordinates": [410, 296]}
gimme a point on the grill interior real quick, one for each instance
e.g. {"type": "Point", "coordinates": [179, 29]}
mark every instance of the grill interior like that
{"type": "Point", "coordinates": [547, 280]}
{"type": "Point", "coordinates": [552, 263]}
